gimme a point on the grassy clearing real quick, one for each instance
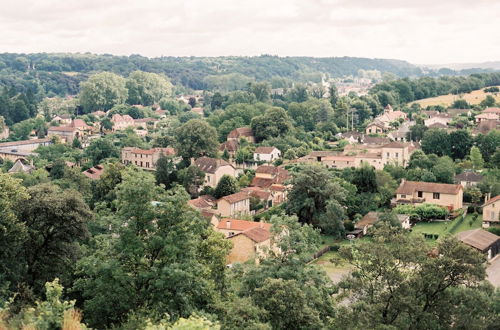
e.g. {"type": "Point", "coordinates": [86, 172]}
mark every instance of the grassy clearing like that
{"type": "Point", "coordinates": [474, 97]}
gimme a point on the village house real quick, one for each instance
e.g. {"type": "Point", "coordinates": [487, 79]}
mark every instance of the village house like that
{"type": "Point", "coordinates": [373, 217]}
{"type": "Point", "coordinates": [492, 110]}
{"type": "Point", "coordinates": [76, 129]}
{"type": "Point", "coordinates": [145, 159]}
{"type": "Point", "coordinates": [266, 154]}
{"type": "Point", "coordinates": [438, 118]}
{"type": "Point", "coordinates": [376, 127]}
{"type": "Point", "coordinates": [481, 240]}
{"type": "Point", "coordinates": [352, 136]}
{"type": "Point", "coordinates": [383, 122]}
{"type": "Point", "coordinates": [64, 119]}
{"type": "Point", "coordinates": [230, 146]}
{"type": "Point", "coordinates": [145, 122]}
{"type": "Point", "coordinates": [95, 172]}
{"type": "Point", "coordinates": [396, 153]}
{"type": "Point", "coordinates": [231, 226]}
{"type": "Point", "coordinates": [491, 212]}
{"type": "Point", "coordinates": [122, 122]}
{"type": "Point", "coordinates": [234, 205]}
{"type": "Point", "coordinates": [242, 132]}
{"type": "Point", "coordinates": [214, 169]}
{"type": "Point", "coordinates": [468, 179]}
{"type": "Point", "coordinates": [267, 175]}
{"type": "Point", "coordinates": [251, 244]}
{"type": "Point", "coordinates": [486, 116]}
{"type": "Point", "coordinates": [339, 161]}
{"type": "Point", "coordinates": [459, 112]}
{"type": "Point", "coordinates": [203, 202]}
{"type": "Point", "coordinates": [443, 194]}
{"type": "Point", "coordinates": [264, 195]}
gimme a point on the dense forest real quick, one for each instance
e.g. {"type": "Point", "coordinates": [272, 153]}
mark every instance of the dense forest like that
{"type": "Point", "coordinates": [61, 74]}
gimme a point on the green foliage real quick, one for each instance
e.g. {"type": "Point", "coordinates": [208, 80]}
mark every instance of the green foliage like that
{"type": "Point", "coordinates": [398, 285]}
{"type": "Point", "coordinates": [308, 200]}
{"type": "Point", "coordinates": [52, 313]}
{"type": "Point", "coordinates": [227, 185]}
{"type": "Point", "coordinates": [165, 171]}
{"type": "Point", "coordinates": [476, 158]}
{"type": "Point", "coordinates": [102, 91]}
{"type": "Point", "coordinates": [165, 259]}
{"type": "Point", "coordinates": [423, 212]}
{"type": "Point", "coordinates": [147, 88]}
{"type": "Point", "coordinates": [101, 149]}
{"type": "Point", "coordinates": [275, 122]}
{"type": "Point", "coordinates": [436, 141]}
{"type": "Point", "coordinates": [195, 139]}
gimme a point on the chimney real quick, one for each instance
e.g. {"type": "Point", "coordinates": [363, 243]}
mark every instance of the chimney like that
{"type": "Point", "coordinates": [228, 224]}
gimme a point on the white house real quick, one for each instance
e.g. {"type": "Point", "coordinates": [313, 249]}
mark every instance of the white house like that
{"type": "Point", "coordinates": [266, 154]}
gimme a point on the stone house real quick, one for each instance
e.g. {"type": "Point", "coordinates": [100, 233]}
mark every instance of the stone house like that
{"type": "Point", "coordinates": [251, 244]}
{"type": "Point", "coordinates": [491, 212]}
{"type": "Point", "coordinates": [214, 169]}
{"type": "Point", "coordinates": [145, 159]}
{"type": "Point", "coordinates": [242, 132]}
{"type": "Point", "coordinates": [443, 194]}
{"type": "Point", "coordinates": [375, 127]}
{"type": "Point", "coordinates": [122, 122]}
{"type": "Point", "coordinates": [266, 154]}
{"type": "Point", "coordinates": [468, 179]}
{"type": "Point", "coordinates": [234, 205]}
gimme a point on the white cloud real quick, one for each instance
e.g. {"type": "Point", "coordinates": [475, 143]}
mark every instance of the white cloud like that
{"type": "Point", "coordinates": [425, 31]}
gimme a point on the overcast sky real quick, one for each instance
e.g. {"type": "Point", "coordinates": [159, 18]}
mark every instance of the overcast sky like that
{"type": "Point", "coordinates": [420, 31]}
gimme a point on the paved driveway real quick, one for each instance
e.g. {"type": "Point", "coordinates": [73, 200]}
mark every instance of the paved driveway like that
{"type": "Point", "coordinates": [493, 271]}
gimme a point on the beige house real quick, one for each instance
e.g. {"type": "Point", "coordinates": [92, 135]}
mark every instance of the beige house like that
{"type": "Point", "coordinates": [491, 212]}
{"type": "Point", "coordinates": [340, 161]}
{"type": "Point", "coordinates": [234, 205]}
{"type": "Point", "coordinates": [468, 179]}
{"type": "Point", "coordinates": [214, 169]}
{"type": "Point", "coordinates": [252, 244]}
{"type": "Point", "coordinates": [486, 116]}
{"type": "Point", "coordinates": [266, 154]}
{"type": "Point", "coordinates": [396, 153]}
{"type": "Point", "coordinates": [267, 175]}
{"type": "Point", "coordinates": [231, 226]}
{"type": "Point", "coordinates": [443, 194]}
{"type": "Point", "coordinates": [122, 122]}
{"type": "Point", "coordinates": [242, 132]}
{"type": "Point", "coordinates": [438, 118]}
{"type": "Point", "coordinates": [145, 159]}
{"type": "Point", "coordinates": [76, 129]}
{"type": "Point", "coordinates": [375, 127]}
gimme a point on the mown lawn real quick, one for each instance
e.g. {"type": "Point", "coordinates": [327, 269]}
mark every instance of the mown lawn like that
{"type": "Point", "coordinates": [445, 227]}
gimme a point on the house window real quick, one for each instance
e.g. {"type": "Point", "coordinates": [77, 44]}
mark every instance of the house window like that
{"type": "Point", "coordinates": [397, 154]}
{"type": "Point", "coordinates": [388, 155]}
{"type": "Point", "coordinates": [435, 195]}
{"type": "Point", "coordinates": [420, 194]}
{"type": "Point", "coordinates": [147, 164]}
{"type": "Point", "coordinates": [403, 196]}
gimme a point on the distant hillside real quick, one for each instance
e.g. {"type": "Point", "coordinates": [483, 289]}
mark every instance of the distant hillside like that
{"type": "Point", "coordinates": [492, 65]}
{"type": "Point", "coordinates": [62, 73]}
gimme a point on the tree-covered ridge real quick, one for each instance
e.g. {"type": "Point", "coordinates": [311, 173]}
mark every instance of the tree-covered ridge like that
{"type": "Point", "coordinates": [61, 73]}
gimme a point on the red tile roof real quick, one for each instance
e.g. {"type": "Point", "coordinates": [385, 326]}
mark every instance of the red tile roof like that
{"type": "Point", "coordinates": [492, 200]}
{"type": "Point", "coordinates": [94, 173]}
{"type": "Point", "coordinates": [202, 202]}
{"type": "Point", "coordinates": [240, 132]}
{"type": "Point", "coordinates": [257, 234]}
{"type": "Point", "coordinates": [241, 225]}
{"type": "Point", "coordinates": [264, 150]}
{"type": "Point", "coordinates": [237, 197]}
{"type": "Point", "coordinates": [210, 165]}
{"type": "Point", "coordinates": [409, 187]}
